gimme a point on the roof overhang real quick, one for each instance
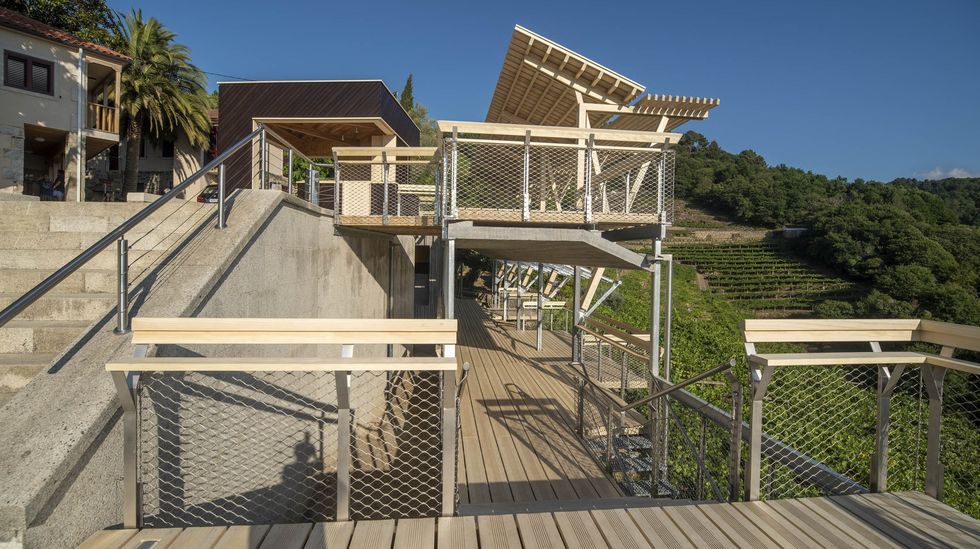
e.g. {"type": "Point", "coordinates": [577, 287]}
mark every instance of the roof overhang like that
{"type": "Point", "coordinates": [317, 137]}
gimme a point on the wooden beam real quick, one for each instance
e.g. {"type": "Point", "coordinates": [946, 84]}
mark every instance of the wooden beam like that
{"type": "Point", "coordinates": [560, 132]}
{"type": "Point", "coordinates": [575, 85]}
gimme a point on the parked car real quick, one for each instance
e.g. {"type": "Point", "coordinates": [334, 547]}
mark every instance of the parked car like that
{"type": "Point", "coordinates": [209, 195]}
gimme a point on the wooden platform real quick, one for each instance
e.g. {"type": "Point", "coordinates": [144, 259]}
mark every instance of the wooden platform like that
{"type": "Point", "coordinates": [518, 442]}
{"type": "Point", "coordinates": [874, 520]}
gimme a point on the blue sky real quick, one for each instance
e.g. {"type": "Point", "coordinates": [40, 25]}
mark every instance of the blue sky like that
{"type": "Point", "coordinates": [871, 89]}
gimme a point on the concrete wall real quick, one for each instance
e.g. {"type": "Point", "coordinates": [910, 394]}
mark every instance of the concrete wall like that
{"type": "Point", "coordinates": [60, 447]}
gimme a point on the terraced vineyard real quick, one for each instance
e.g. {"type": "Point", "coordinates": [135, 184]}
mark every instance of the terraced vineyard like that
{"type": "Point", "coordinates": [760, 276]}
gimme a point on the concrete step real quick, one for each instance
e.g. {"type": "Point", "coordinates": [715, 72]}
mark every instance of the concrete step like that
{"type": "Point", "coordinates": [39, 336]}
{"type": "Point", "coordinates": [81, 281]}
{"type": "Point", "coordinates": [17, 370]}
{"type": "Point", "coordinates": [93, 218]}
{"type": "Point", "coordinates": [52, 260]}
{"type": "Point", "coordinates": [64, 307]}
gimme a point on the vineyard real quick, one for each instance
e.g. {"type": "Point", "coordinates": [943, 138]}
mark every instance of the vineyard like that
{"type": "Point", "coordinates": [760, 276]}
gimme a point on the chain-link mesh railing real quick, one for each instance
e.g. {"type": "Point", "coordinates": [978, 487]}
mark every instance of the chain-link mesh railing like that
{"type": "Point", "coordinates": [237, 448]}
{"type": "Point", "coordinates": [546, 182]}
{"type": "Point", "coordinates": [614, 367]}
{"type": "Point", "coordinates": [396, 445]}
{"type": "Point", "coordinates": [819, 428]}
{"type": "Point", "coordinates": [262, 447]}
{"type": "Point", "coordinates": [382, 191]}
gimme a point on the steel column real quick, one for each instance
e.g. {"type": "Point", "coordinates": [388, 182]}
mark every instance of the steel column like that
{"type": "Point", "coordinates": [221, 196]}
{"type": "Point", "coordinates": [576, 315]}
{"type": "Point", "coordinates": [131, 499]}
{"type": "Point", "coordinates": [384, 181]}
{"type": "Point", "coordinates": [519, 306]}
{"type": "Point", "coordinates": [759, 379]}
{"type": "Point", "coordinates": [668, 314]}
{"type": "Point", "coordinates": [450, 277]}
{"type": "Point", "coordinates": [526, 186]}
{"type": "Point", "coordinates": [289, 173]}
{"type": "Point", "coordinates": [452, 199]}
{"type": "Point", "coordinates": [587, 199]}
{"type": "Point", "coordinates": [540, 334]}
{"type": "Point", "coordinates": [263, 159]}
{"type": "Point", "coordinates": [122, 287]}
{"type": "Point", "coordinates": [336, 188]}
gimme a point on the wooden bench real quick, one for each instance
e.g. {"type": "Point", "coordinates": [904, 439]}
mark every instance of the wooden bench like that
{"type": "Point", "coordinates": [889, 364]}
{"type": "Point", "coordinates": [288, 331]}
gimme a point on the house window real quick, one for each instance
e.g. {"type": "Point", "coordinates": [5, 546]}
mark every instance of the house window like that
{"type": "Point", "coordinates": [28, 73]}
{"type": "Point", "coordinates": [168, 148]}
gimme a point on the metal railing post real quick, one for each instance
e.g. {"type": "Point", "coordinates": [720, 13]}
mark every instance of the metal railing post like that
{"type": "Point", "coordinates": [448, 443]}
{"type": "Point", "coordinates": [289, 173]}
{"type": "Point", "coordinates": [221, 196]}
{"type": "Point", "coordinates": [888, 377]}
{"type": "Point", "coordinates": [610, 436]}
{"type": "Point", "coordinates": [587, 199]}
{"type": "Point", "coordinates": [526, 184]}
{"type": "Point", "coordinates": [127, 400]}
{"type": "Point", "coordinates": [384, 180]}
{"type": "Point", "coordinates": [453, 206]}
{"type": "Point", "coordinates": [759, 379]}
{"type": "Point", "coordinates": [661, 182]}
{"type": "Point", "coordinates": [735, 445]}
{"type": "Point", "coordinates": [263, 159]}
{"type": "Point", "coordinates": [933, 377]}
{"type": "Point", "coordinates": [336, 187]}
{"type": "Point", "coordinates": [668, 314]}
{"type": "Point", "coordinates": [122, 308]}
{"type": "Point", "coordinates": [540, 327]}
{"type": "Point", "coordinates": [343, 381]}
{"type": "Point", "coordinates": [580, 408]}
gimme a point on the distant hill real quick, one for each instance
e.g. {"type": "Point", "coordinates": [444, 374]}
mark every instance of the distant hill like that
{"type": "Point", "coordinates": [917, 243]}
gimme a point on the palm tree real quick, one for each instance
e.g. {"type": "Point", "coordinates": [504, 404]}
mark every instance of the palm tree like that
{"type": "Point", "coordinates": [162, 91]}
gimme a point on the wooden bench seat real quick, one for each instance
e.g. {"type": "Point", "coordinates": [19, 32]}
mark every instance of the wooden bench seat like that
{"type": "Point", "coordinates": [830, 359]}
{"type": "Point", "coordinates": [249, 364]}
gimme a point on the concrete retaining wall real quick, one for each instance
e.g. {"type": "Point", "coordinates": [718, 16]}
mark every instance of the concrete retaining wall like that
{"type": "Point", "coordinates": [60, 441]}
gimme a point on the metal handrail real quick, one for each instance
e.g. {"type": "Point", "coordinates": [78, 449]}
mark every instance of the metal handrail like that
{"type": "Point", "coordinates": [43, 287]}
{"type": "Point", "coordinates": [724, 366]}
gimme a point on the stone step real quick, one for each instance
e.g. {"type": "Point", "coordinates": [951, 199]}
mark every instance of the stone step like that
{"type": "Point", "coordinates": [92, 218]}
{"type": "Point", "coordinates": [17, 370]}
{"type": "Point", "coordinates": [59, 306]}
{"type": "Point", "coordinates": [39, 336]}
{"type": "Point", "coordinates": [83, 280]}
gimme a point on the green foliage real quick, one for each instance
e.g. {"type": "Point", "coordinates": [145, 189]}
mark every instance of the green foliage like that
{"type": "Point", "coordinates": [429, 131]}
{"type": "Point", "coordinates": [917, 242]}
{"type": "Point", "coordinates": [407, 98]}
{"type": "Point", "coordinates": [90, 20]}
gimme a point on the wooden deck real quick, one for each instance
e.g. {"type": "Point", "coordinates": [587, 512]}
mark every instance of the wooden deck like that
{"type": "Point", "coordinates": [871, 520]}
{"type": "Point", "coordinates": [518, 441]}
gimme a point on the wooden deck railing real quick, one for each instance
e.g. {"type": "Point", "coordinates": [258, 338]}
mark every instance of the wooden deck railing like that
{"type": "Point", "coordinates": [102, 118]}
{"type": "Point", "coordinates": [395, 421]}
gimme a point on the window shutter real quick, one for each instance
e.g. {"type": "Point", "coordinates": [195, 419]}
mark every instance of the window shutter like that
{"type": "Point", "coordinates": [16, 72]}
{"type": "Point", "coordinates": [40, 77]}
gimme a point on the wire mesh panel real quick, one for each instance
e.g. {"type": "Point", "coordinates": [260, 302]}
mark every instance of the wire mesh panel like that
{"type": "Point", "coordinates": [556, 183]}
{"type": "Point", "coordinates": [379, 192]}
{"type": "Point", "coordinates": [632, 185]}
{"type": "Point", "coordinates": [237, 448]}
{"type": "Point", "coordinates": [489, 180]}
{"type": "Point", "coordinates": [396, 445]}
{"type": "Point", "coordinates": [818, 431]}
{"type": "Point", "coordinates": [960, 440]}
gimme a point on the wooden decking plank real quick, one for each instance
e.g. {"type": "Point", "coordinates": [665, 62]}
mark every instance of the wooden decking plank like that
{"type": "Point", "coordinates": [576, 461]}
{"type": "Point", "coordinates": [697, 526]}
{"type": "Point", "coordinates": [618, 528]}
{"type": "Point", "coordinates": [783, 533]}
{"type": "Point", "coordinates": [330, 535]}
{"type": "Point", "coordinates": [521, 463]}
{"type": "Point", "coordinates": [924, 522]}
{"type": "Point", "coordinates": [457, 533]}
{"type": "Point", "coordinates": [373, 534]}
{"type": "Point", "coordinates": [731, 524]}
{"type": "Point", "coordinates": [867, 536]}
{"type": "Point", "coordinates": [821, 530]}
{"type": "Point", "coordinates": [539, 531]}
{"type": "Point", "coordinates": [108, 539]}
{"type": "Point", "coordinates": [498, 532]}
{"type": "Point", "coordinates": [199, 537]}
{"type": "Point", "coordinates": [659, 529]}
{"type": "Point", "coordinates": [579, 531]}
{"type": "Point", "coordinates": [505, 471]}
{"type": "Point", "coordinates": [483, 456]}
{"type": "Point", "coordinates": [287, 536]}
{"type": "Point", "coordinates": [243, 537]}
{"type": "Point", "coordinates": [942, 511]}
{"type": "Point", "coordinates": [415, 533]}
{"type": "Point", "coordinates": [531, 432]}
{"type": "Point", "coordinates": [161, 536]}
{"type": "Point", "coordinates": [896, 529]}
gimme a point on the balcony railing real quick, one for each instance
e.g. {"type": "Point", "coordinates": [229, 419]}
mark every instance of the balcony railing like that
{"type": "Point", "coordinates": [102, 118]}
{"type": "Point", "coordinates": [511, 174]}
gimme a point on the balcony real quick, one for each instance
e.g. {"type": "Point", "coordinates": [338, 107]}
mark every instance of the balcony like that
{"type": "Point", "coordinates": [102, 118]}
{"type": "Point", "coordinates": [509, 174]}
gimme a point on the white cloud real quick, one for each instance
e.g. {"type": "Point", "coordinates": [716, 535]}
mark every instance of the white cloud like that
{"type": "Point", "coordinates": [939, 173]}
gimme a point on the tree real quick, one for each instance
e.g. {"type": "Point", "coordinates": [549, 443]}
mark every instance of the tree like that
{"type": "Point", "coordinates": [162, 92]}
{"type": "Point", "coordinates": [90, 20]}
{"type": "Point", "coordinates": [407, 96]}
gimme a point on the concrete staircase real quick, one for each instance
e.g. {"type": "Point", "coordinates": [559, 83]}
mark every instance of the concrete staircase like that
{"type": "Point", "coordinates": [37, 238]}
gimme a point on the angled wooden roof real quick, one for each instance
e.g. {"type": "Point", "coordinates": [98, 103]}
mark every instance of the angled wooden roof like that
{"type": "Point", "coordinates": [539, 79]}
{"type": "Point", "coordinates": [645, 114]}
